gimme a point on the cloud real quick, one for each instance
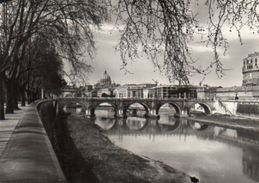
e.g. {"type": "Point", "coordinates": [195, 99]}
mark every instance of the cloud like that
{"type": "Point", "coordinates": [199, 49]}
{"type": "Point", "coordinates": [109, 42]}
{"type": "Point", "coordinates": [246, 33]}
{"type": "Point", "coordinates": [108, 35]}
{"type": "Point", "coordinates": [108, 28]}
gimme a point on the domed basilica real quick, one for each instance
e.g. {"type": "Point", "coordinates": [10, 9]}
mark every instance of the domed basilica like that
{"type": "Point", "coordinates": [105, 81]}
{"type": "Point", "coordinates": [105, 85]}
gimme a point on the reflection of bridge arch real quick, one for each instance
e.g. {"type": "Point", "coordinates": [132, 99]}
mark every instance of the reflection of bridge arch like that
{"type": "Point", "coordinates": [118, 125]}
{"type": "Point", "coordinates": [175, 106]}
{"type": "Point", "coordinates": [169, 127]}
{"type": "Point", "coordinates": [205, 107]}
{"type": "Point", "coordinates": [129, 120]}
{"type": "Point", "coordinates": [149, 127]}
{"type": "Point", "coordinates": [110, 123]}
{"type": "Point", "coordinates": [140, 103]}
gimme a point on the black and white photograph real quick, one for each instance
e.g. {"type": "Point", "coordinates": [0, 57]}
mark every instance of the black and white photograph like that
{"type": "Point", "coordinates": [129, 91]}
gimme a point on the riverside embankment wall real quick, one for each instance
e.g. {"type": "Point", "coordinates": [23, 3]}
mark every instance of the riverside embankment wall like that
{"type": "Point", "coordinates": [236, 107]}
{"type": "Point", "coordinates": [71, 161]}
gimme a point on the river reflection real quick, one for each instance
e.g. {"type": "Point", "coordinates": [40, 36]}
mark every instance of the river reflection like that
{"type": "Point", "coordinates": [211, 153]}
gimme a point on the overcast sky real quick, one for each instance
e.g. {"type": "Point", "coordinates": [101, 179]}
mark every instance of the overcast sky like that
{"type": "Point", "coordinates": [143, 71]}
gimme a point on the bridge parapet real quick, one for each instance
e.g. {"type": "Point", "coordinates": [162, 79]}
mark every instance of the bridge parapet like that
{"type": "Point", "coordinates": [243, 101]}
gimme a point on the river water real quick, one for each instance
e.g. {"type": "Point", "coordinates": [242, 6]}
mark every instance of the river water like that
{"type": "Point", "coordinates": [211, 153]}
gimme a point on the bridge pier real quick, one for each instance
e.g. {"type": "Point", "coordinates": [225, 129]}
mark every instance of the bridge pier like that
{"type": "Point", "coordinates": [134, 112]}
{"type": "Point", "coordinates": [64, 108]}
{"type": "Point", "coordinates": [122, 113]}
{"type": "Point", "coordinates": [85, 112]}
{"type": "Point", "coordinates": [56, 106]}
{"type": "Point", "coordinates": [92, 113]}
{"type": "Point", "coordinates": [184, 113]}
{"type": "Point", "coordinates": [153, 114]}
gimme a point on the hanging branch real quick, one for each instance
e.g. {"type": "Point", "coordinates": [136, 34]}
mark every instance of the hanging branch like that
{"type": "Point", "coordinates": [165, 28]}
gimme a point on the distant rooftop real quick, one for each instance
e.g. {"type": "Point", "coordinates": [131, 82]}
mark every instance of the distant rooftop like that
{"type": "Point", "coordinates": [256, 53]}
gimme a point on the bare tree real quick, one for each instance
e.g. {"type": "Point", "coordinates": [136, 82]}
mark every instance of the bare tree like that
{"type": "Point", "coordinates": [166, 27]}
{"type": "Point", "coordinates": [66, 23]}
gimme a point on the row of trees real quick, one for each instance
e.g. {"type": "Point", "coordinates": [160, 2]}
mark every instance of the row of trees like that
{"type": "Point", "coordinates": [36, 36]}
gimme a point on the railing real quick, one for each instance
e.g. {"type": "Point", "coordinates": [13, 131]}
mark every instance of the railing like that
{"type": "Point", "coordinates": [143, 99]}
{"type": "Point", "coordinates": [240, 101]}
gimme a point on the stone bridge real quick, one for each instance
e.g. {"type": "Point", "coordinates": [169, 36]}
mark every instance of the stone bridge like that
{"type": "Point", "coordinates": [151, 106]}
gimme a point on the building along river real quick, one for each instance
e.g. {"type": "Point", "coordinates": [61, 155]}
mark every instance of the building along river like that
{"type": "Point", "coordinates": [213, 154]}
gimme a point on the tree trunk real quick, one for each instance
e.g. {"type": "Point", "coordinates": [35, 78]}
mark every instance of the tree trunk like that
{"type": "Point", "coordinates": [34, 96]}
{"type": "Point", "coordinates": [9, 95]}
{"type": "Point", "coordinates": [28, 96]}
{"type": "Point", "coordinates": [15, 96]}
{"type": "Point", "coordinates": [15, 102]}
{"type": "Point", "coordinates": [2, 99]}
{"type": "Point", "coordinates": [42, 94]}
{"type": "Point", "coordinates": [23, 96]}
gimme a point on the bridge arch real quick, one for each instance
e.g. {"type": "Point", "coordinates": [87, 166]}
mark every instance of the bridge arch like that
{"type": "Point", "coordinates": [176, 107]}
{"type": "Point", "coordinates": [145, 106]}
{"type": "Point", "coordinates": [99, 104]}
{"type": "Point", "coordinates": [73, 106]}
{"type": "Point", "coordinates": [203, 107]}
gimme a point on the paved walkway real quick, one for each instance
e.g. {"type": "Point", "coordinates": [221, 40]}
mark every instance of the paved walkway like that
{"type": "Point", "coordinates": [26, 152]}
{"type": "Point", "coordinates": [8, 125]}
